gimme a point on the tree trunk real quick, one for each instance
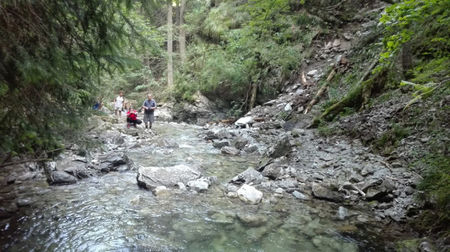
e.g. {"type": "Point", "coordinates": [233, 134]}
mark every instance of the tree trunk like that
{"type": "Point", "coordinates": [253, 95]}
{"type": "Point", "coordinates": [182, 35]}
{"type": "Point", "coordinates": [169, 45]}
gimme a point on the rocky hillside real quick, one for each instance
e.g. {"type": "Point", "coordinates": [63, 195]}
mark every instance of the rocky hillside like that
{"type": "Point", "coordinates": [373, 159]}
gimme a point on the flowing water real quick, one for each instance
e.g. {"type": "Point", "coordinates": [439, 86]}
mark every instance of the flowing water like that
{"type": "Point", "coordinates": [110, 212]}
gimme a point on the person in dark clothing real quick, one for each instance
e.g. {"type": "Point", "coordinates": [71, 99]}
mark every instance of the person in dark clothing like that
{"type": "Point", "coordinates": [149, 107]}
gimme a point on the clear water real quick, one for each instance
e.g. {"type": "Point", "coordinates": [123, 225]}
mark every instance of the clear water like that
{"type": "Point", "coordinates": [110, 213]}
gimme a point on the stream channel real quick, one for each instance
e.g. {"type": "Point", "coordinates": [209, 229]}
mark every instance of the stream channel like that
{"type": "Point", "coordinates": [111, 213]}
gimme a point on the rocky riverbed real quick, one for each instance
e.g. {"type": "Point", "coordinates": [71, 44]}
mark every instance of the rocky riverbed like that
{"type": "Point", "coordinates": [293, 194]}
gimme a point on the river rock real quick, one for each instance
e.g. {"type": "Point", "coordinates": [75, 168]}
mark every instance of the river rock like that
{"type": "Point", "coordinates": [240, 143]}
{"type": "Point", "coordinates": [181, 186]}
{"type": "Point", "coordinates": [151, 177]}
{"type": "Point", "coordinates": [380, 192]}
{"type": "Point", "coordinates": [279, 190]}
{"type": "Point", "coordinates": [273, 171]}
{"type": "Point", "coordinates": [244, 122]}
{"type": "Point", "coordinates": [164, 113]}
{"type": "Point", "coordinates": [77, 169]}
{"type": "Point", "coordinates": [248, 176]}
{"type": "Point", "coordinates": [61, 177]}
{"type": "Point", "coordinates": [199, 185]}
{"type": "Point", "coordinates": [281, 148]}
{"type": "Point", "coordinates": [160, 191]}
{"type": "Point", "coordinates": [252, 220]}
{"type": "Point", "coordinates": [112, 160]}
{"type": "Point", "coordinates": [224, 134]}
{"type": "Point", "coordinates": [220, 144]}
{"type": "Point", "coordinates": [24, 202]}
{"type": "Point", "coordinates": [25, 176]}
{"type": "Point", "coordinates": [230, 151]}
{"type": "Point", "coordinates": [249, 194]}
{"type": "Point", "coordinates": [342, 213]}
{"type": "Point", "coordinates": [251, 148]}
{"type": "Point", "coordinates": [288, 107]}
{"type": "Point", "coordinates": [287, 183]}
{"type": "Point", "coordinates": [312, 73]}
{"type": "Point", "coordinates": [322, 192]}
{"type": "Point", "coordinates": [232, 194]}
{"type": "Point", "coordinates": [300, 195]}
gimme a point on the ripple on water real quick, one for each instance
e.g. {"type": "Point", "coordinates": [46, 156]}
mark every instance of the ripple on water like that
{"type": "Point", "coordinates": [110, 213]}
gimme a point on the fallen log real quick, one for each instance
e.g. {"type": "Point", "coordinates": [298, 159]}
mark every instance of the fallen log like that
{"type": "Point", "coordinates": [321, 91]}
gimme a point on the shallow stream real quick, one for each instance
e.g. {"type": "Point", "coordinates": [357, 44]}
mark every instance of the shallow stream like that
{"type": "Point", "coordinates": [110, 212]}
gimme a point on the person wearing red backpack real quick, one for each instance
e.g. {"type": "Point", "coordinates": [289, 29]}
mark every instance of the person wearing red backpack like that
{"type": "Point", "coordinates": [132, 118]}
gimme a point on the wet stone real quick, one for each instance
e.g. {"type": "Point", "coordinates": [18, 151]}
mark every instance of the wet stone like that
{"type": "Point", "coordinates": [152, 177]}
{"type": "Point", "coordinates": [220, 144]}
{"type": "Point", "coordinates": [300, 195]}
{"type": "Point", "coordinates": [248, 176]}
{"type": "Point", "coordinates": [325, 193]}
{"type": "Point", "coordinates": [24, 202]}
{"type": "Point", "coordinates": [252, 220]}
{"type": "Point", "coordinates": [249, 194]}
{"type": "Point", "coordinates": [61, 177]}
{"type": "Point", "coordinates": [230, 151]}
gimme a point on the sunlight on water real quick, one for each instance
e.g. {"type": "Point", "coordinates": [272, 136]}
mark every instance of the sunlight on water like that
{"type": "Point", "coordinates": [110, 213]}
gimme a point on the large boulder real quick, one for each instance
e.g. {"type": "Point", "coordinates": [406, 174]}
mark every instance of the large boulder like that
{"type": "Point", "coordinates": [112, 161]}
{"type": "Point", "coordinates": [75, 167]}
{"type": "Point", "coordinates": [248, 176]}
{"type": "Point", "coordinates": [164, 112]}
{"type": "Point", "coordinates": [151, 177]}
{"type": "Point", "coordinates": [61, 177]}
{"type": "Point", "coordinates": [249, 194]}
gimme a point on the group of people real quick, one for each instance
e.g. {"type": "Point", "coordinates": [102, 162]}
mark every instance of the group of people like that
{"type": "Point", "coordinates": [149, 107]}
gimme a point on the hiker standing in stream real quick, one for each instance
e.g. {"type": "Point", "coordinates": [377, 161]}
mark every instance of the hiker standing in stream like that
{"type": "Point", "coordinates": [149, 107]}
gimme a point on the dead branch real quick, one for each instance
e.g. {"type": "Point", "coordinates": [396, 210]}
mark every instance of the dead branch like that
{"type": "Point", "coordinates": [321, 91]}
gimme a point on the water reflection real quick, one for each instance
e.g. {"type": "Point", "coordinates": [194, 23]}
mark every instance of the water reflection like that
{"type": "Point", "coordinates": [110, 213]}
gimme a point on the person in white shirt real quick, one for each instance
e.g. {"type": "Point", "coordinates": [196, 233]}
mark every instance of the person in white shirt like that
{"type": "Point", "coordinates": [118, 104]}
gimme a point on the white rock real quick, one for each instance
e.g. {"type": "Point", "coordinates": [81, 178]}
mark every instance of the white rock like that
{"type": "Point", "coordinates": [342, 213]}
{"type": "Point", "coordinates": [279, 190]}
{"type": "Point", "coordinates": [199, 185]}
{"type": "Point", "coordinates": [181, 186]}
{"type": "Point", "coordinates": [244, 121]}
{"type": "Point", "coordinates": [151, 177]}
{"type": "Point", "coordinates": [312, 73]}
{"type": "Point", "coordinates": [160, 190]}
{"type": "Point", "coordinates": [288, 107]}
{"type": "Point", "coordinates": [249, 194]}
{"type": "Point", "coordinates": [232, 194]}
{"type": "Point", "coordinates": [336, 43]}
{"type": "Point", "coordinates": [300, 195]}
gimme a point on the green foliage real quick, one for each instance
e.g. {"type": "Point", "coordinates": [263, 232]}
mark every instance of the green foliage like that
{"type": "Point", "coordinates": [239, 44]}
{"type": "Point", "coordinates": [424, 23]}
{"type": "Point", "coordinates": [325, 130]}
{"type": "Point", "coordinates": [50, 63]}
{"type": "Point", "coordinates": [390, 139]}
{"type": "Point", "coordinates": [437, 179]}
